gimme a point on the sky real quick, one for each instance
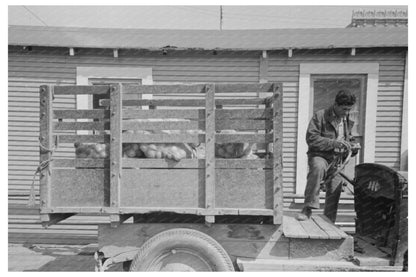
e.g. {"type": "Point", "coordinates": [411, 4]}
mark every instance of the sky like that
{"type": "Point", "coordinates": [188, 17]}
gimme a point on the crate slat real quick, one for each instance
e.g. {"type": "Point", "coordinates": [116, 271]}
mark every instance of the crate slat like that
{"type": "Point", "coordinates": [197, 88]}
{"type": "Point", "coordinates": [188, 102]}
{"type": "Point", "coordinates": [99, 126]}
{"type": "Point", "coordinates": [100, 138]}
{"type": "Point", "coordinates": [220, 114]}
{"type": "Point", "coordinates": [199, 138]}
{"type": "Point", "coordinates": [163, 89]}
{"type": "Point", "coordinates": [194, 163]}
{"type": "Point", "coordinates": [76, 90]}
{"type": "Point", "coordinates": [77, 114]}
{"type": "Point", "coordinates": [80, 163]}
{"type": "Point", "coordinates": [184, 125]}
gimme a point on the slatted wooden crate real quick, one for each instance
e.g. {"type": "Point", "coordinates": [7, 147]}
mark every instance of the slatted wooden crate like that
{"type": "Point", "coordinates": [121, 187]}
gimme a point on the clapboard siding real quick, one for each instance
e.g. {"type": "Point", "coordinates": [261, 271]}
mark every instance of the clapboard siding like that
{"type": "Point", "coordinates": [29, 70]}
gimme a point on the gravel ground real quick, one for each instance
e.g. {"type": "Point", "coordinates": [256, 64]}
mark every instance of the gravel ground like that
{"type": "Point", "coordinates": [51, 258]}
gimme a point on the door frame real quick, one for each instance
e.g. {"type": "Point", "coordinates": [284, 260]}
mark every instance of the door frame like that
{"type": "Point", "coordinates": [304, 106]}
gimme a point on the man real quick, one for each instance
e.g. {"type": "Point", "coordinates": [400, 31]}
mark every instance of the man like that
{"type": "Point", "coordinates": [329, 131]}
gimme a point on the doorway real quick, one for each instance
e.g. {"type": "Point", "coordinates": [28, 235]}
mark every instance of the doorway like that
{"type": "Point", "coordinates": [324, 88]}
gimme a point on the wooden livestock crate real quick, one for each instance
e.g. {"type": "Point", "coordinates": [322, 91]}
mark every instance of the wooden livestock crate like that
{"type": "Point", "coordinates": [121, 187]}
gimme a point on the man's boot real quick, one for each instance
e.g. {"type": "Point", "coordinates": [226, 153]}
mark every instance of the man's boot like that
{"type": "Point", "coordinates": [305, 214]}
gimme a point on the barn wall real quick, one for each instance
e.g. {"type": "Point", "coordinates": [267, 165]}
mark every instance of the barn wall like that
{"type": "Point", "coordinates": [29, 70]}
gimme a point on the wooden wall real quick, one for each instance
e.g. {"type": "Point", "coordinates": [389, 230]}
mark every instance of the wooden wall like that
{"type": "Point", "coordinates": [30, 69]}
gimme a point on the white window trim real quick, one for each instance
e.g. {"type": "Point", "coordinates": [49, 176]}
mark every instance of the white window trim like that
{"type": "Point", "coordinates": [304, 109]}
{"type": "Point", "coordinates": [86, 73]}
{"type": "Point", "coordinates": [404, 156]}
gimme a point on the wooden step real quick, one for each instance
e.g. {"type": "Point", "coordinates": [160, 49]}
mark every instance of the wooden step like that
{"type": "Point", "coordinates": [317, 227]}
{"type": "Point", "coordinates": [317, 238]}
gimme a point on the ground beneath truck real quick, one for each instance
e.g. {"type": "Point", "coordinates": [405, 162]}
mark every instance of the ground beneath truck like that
{"type": "Point", "coordinates": [51, 258]}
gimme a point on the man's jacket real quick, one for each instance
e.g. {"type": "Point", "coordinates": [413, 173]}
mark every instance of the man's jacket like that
{"type": "Point", "coordinates": [322, 133]}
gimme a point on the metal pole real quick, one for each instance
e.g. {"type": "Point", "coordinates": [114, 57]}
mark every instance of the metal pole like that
{"type": "Point", "coordinates": [220, 18]}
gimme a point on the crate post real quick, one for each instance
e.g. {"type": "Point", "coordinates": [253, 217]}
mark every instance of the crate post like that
{"type": "Point", "coordinates": [115, 149]}
{"type": "Point", "coordinates": [277, 154]}
{"type": "Point", "coordinates": [210, 151]}
{"type": "Point", "coordinates": [46, 144]}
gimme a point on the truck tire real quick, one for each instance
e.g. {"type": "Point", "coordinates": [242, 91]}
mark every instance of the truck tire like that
{"type": "Point", "coordinates": [181, 249]}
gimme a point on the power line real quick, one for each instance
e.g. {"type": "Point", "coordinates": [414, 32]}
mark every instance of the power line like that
{"type": "Point", "coordinates": [37, 17]}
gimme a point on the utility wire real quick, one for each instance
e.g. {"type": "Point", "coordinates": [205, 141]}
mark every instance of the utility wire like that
{"type": "Point", "coordinates": [37, 17]}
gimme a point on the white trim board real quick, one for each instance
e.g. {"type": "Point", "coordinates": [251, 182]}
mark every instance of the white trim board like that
{"type": "Point", "coordinates": [85, 73]}
{"type": "Point", "coordinates": [304, 106]}
{"type": "Point", "coordinates": [404, 155]}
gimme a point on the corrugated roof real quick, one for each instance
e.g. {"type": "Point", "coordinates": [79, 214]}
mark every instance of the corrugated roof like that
{"type": "Point", "coordinates": [272, 39]}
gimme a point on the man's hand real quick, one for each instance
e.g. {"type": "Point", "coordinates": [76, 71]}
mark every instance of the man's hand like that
{"type": "Point", "coordinates": [342, 145]}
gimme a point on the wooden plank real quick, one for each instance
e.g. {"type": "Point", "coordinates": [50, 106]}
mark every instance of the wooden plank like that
{"type": "Point", "coordinates": [313, 230]}
{"type": "Point", "coordinates": [234, 185]}
{"type": "Point", "coordinates": [46, 140]}
{"type": "Point", "coordinates": [197, 88]}
{"type": "Point", "coordinates": [153, 188]}
{"type": "Point", "coordinates": [165, 113]}
{"type": "Point", "coordinates": [239, 124]}
{"type": "Point", "coordinates": [330, 229]}
{"type": "Point", "coordinates": [168, 209]}
{"type": "Point", "coordinates": [100, 138]}
{"type": "Point", "coordinates": [325, 223]}
{"type": "Point", "coordinates": [182, 125]}
{"type": "Point", "coordinates": [264, 212]}
{"type": "Point", "coordinates": [223, 88]}
{"type": "Point", "coordinates": [79, 188]}
{"type": "Point", "coordinates": [198, 113]}
{"type": "Point", "coordinates": [76, 114]}
{"type": "Point", "coordinates": [243, 164]}
{"type": "Point", "coordinates": [244, 138]}
{"type": "Point", "coordinates": [164, 89]}
{"type": "Point", "coordinates": [162, 138]}
{"type": "Point", "coordinates": [210, 150]}
{"type": "Point", "coordinates": [115, 145]}
{"type": "Point", "coordinates": [163, 125]}
{"type": "Point", "coordinates": [277, 154]}
{"type": "Point", "coordinates": [99, 126]}
{"type": "Point", "coordinates": [187, 102]}
{"type": "Point", "coordinates": [244, 113]}
{"type": "Point", "coordinates": [292, 228]}
{"type": "Point", "coordinates": [99, 209]}
{"type": "Point", "coordinates": [76, 90]}
{"type": "Point", "coordinates": [73, 163]}
{"type": "Point", "coordinates": [185, 163]}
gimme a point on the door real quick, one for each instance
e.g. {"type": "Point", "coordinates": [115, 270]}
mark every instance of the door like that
{"type": "Point", "coordinates": [324, 88]}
